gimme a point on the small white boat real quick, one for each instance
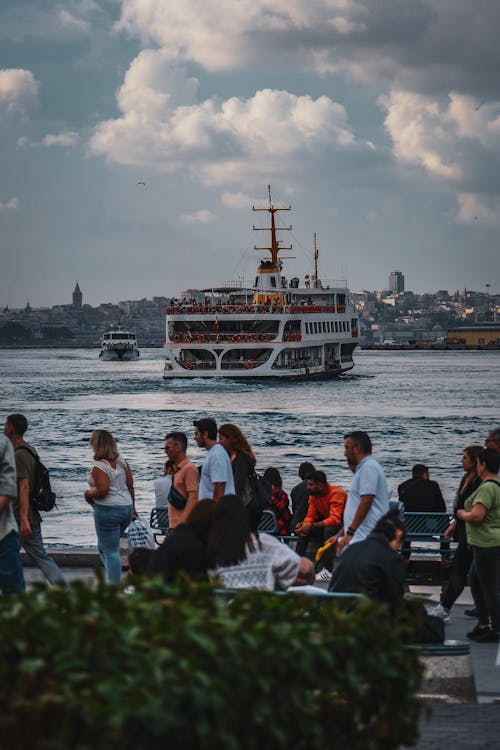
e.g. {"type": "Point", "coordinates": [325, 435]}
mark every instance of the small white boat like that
{"type": "Point", "coordinates": [273, 328]}
{"type": "Point", "coordinates": [119, 344]}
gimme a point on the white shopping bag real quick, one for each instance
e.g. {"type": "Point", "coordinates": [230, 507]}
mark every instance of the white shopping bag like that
{"type": "Point", "coordinates": [140, 535]}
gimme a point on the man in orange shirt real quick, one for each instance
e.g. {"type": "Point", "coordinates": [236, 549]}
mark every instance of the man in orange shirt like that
{"type": "Point", "coordinates": [324, 513]}
{"type": "Point", "coordinates": [183, 494]}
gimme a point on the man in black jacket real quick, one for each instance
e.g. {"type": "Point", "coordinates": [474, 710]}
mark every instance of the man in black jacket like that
{"type": "Point", "coordinates": [422, 495]}
{"type": "Point", "coordinates": [373, 566]}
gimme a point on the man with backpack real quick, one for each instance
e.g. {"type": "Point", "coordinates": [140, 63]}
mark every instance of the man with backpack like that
{"type": "Point", "coordinates": [27, 517]}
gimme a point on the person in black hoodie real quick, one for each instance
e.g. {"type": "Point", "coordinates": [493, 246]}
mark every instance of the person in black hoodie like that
{"type": "Point", "coordinates": [185, 547]}
{"type": "Point", "coordinates": [422, 495]}
{"type": "Point", "coordinates": [373, 566]}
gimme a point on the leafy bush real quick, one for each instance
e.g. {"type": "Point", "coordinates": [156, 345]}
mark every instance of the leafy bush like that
{"type": "Point", "coordinates": [91, 668]}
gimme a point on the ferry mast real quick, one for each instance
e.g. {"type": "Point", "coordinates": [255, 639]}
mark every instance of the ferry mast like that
{"type": "Point", "coordinates": [275, 248]}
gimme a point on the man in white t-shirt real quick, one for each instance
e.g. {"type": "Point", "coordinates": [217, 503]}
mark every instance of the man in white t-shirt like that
{"type": "Point", "coordinates": [368, 497]}
{"type": "Point", "coordinates": [216, 477]}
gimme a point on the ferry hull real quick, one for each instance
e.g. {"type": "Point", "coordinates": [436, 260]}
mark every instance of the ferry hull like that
{"type": "Point", "coordinates": [119, 355]}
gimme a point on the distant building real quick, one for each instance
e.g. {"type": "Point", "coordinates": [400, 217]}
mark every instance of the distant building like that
{"type": "Point", "coordinates": [77, 297]}
{"type": "Point", "coordinates": [396, 282]}
{"type": "Point", "coordinates": [479, 335]}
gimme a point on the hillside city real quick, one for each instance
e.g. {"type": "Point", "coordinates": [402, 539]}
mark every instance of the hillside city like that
{"type": "Point", "coordinates": [391, 316]}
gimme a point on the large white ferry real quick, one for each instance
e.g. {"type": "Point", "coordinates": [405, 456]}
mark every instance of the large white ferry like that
{"type": "Point", "coordinates": [276, 328]}
{"type": "Point", "coordinates": [119, 344]}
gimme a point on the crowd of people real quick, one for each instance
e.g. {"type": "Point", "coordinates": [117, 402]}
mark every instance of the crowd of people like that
{"type": "Point", "coordinates": [352, 534]}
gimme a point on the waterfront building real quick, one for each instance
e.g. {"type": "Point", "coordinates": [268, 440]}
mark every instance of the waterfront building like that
{"type": "Point", "coordinates": [77, 297]}
{"type": "Point", "coordinates": [396, 282]}
{"type": "Point", "coordinates": [485, 334]}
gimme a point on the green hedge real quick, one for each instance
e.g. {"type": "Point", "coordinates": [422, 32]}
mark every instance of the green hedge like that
{"type": "Point", "coordinates": [92, 668]}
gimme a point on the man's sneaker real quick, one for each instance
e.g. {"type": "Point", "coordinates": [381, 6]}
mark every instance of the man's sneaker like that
{"type": "Point", "coordinates": [323, 576]}
{"type": "Point", "coordinates": [471, 612]}
{"type": "Point", "coordinates": [439, 611]}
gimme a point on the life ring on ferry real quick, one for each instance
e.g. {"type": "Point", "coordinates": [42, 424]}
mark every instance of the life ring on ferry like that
{"type": "Point", "coordinates": [248, 337]}
{"type": "Point", "coordinates": [234, 339]}
{"type": "Point", "coordinates": [249, 365]}
{"type": "Point", "coordinates": [249, 309]}
{"type": "Point", "coordinates": [189, 365]}
{"type": "Point", "coordinates": [200, 337]}
{"type": "Point", "coordinates": [169, 310]}
{"type": "Point", "coordinates": [177, 338]}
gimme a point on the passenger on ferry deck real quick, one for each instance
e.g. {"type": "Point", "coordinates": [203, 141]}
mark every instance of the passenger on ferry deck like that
{"type": "Point", "coordinates": [216, 474]}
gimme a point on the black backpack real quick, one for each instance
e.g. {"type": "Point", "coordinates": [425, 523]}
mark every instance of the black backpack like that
{"type": "Point", "coordinates": [42, 498]}
{"type": "Point", "coordinates": [260, 490]}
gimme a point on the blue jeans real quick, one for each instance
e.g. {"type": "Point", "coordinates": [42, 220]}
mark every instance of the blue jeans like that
{"type": "Point", "coordinates": [33, 545]}
{"type": "Point", "coordinates": [110, 524]}
{"type": "Point", "coordinates": [11, 569]}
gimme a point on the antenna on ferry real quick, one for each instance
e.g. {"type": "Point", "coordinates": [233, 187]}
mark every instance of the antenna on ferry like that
{"type": "Point", "coordinates": [275, 246]}
{"type": "Point", "coordinates": [316, 256]}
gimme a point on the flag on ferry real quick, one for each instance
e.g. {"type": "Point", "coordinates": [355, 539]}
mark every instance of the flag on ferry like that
{"type": "Point", "coordinates": [216, 325]}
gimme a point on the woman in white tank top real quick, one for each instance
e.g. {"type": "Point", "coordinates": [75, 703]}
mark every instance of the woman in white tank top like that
{"type": "Point", "coordinates": [111, 495]}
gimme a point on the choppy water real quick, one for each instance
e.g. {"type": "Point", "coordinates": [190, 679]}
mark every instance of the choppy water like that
{"type": "Point", "coordinates": [417, 407]}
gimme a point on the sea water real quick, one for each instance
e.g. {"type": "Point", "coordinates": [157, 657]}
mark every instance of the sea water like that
{"type": "Point", "coordinates": [418, 407]}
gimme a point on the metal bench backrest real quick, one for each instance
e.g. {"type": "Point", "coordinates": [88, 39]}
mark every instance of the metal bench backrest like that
{"type": "Point", "coordinates": [158, 521]}
{"type": "Point", "coordinates": [267, 523]}
{"type": "Point", "coordinates": [426, 526]}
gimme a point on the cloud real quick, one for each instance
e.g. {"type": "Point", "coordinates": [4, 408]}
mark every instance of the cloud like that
{"type": "Point", "coordinates": [18, 91]}
{"type": "Point", "coordinates": [164, 126]}
{"type": "Point", "coordinates": [482, 211]}
{"type": "Point", "coordinates": [418, 128]}
{"type": "Point", "coordinates": [419, 45]}
{"type": "Point", "coordinates": [235, 200]}
{"type": "Point", "coordinates": [11, 205]}
{"type": "Point", "coordinates": [71, 21]}
{"type": "Point", "coordinates": [65, 139]}
{"type": "Point", "coordinates": [198, 217]}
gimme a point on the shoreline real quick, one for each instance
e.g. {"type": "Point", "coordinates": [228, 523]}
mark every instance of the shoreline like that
{"type": "Point", "coordinates": [427, 346]}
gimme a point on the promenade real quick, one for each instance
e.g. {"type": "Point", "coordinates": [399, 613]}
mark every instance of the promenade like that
{"type": "Point", "coordinates": [444, 724]}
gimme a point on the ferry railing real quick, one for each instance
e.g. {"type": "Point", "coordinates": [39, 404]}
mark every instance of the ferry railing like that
{"type": "Point", "coordinates": [254, 309]}
{"type": "Point", "coordinates": [221, 338]}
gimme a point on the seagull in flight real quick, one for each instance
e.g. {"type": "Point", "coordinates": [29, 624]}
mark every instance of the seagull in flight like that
{"type": "Point", "coordinates": [141, 182]}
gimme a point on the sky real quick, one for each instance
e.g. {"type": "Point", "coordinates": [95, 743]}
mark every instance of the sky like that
{"type": "Point", "coordinates": [135, 136]}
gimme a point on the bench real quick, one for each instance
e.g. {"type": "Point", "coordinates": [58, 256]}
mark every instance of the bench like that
{"type": "Point", "coordinates": [428, 528]}
{"type": "Point", "coordinates": [158, 521]}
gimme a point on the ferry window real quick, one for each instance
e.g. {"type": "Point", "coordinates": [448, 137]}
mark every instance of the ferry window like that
{"type": "Point", "coordinates": [273, 281]}
{"type": "Point", "coordinates": [256, 281]}
{"type": "Point", "coordinates": [348, 325]}
{"type": "Point", "coordinates": [329, 326]}
{"type": "Point", "coordinates": [315, 328]}
{"type": "Point", "coordinates": [336, 327]}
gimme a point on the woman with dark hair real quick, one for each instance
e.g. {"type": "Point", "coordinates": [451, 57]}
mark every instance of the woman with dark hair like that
{"type": "Point", "coordinates": [111, 495]}
{"type": "Point", "coordinates": [242, 459]}
{"type": "Point", "coordinates": [185, 547]}
{"type": "Point", "coordinates": [280, 503]}
{"type": "Point", "coordinates": [242, 559]}
{"type": "Point", "coordinates": [481, 514]}
{"type": "Point", "coordinates": [373, 566]}
{"type": "Point", "coordinates": [462, 559]}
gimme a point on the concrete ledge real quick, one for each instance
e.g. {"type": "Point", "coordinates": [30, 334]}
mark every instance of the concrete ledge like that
{"type": "Point", "coordinates": [68, 558]}
{"type": "Point", "coordinates": [449, 673]}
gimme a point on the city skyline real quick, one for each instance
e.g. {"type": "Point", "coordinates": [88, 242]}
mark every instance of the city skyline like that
{"type": "Point", "coordinates": [136, 136]}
